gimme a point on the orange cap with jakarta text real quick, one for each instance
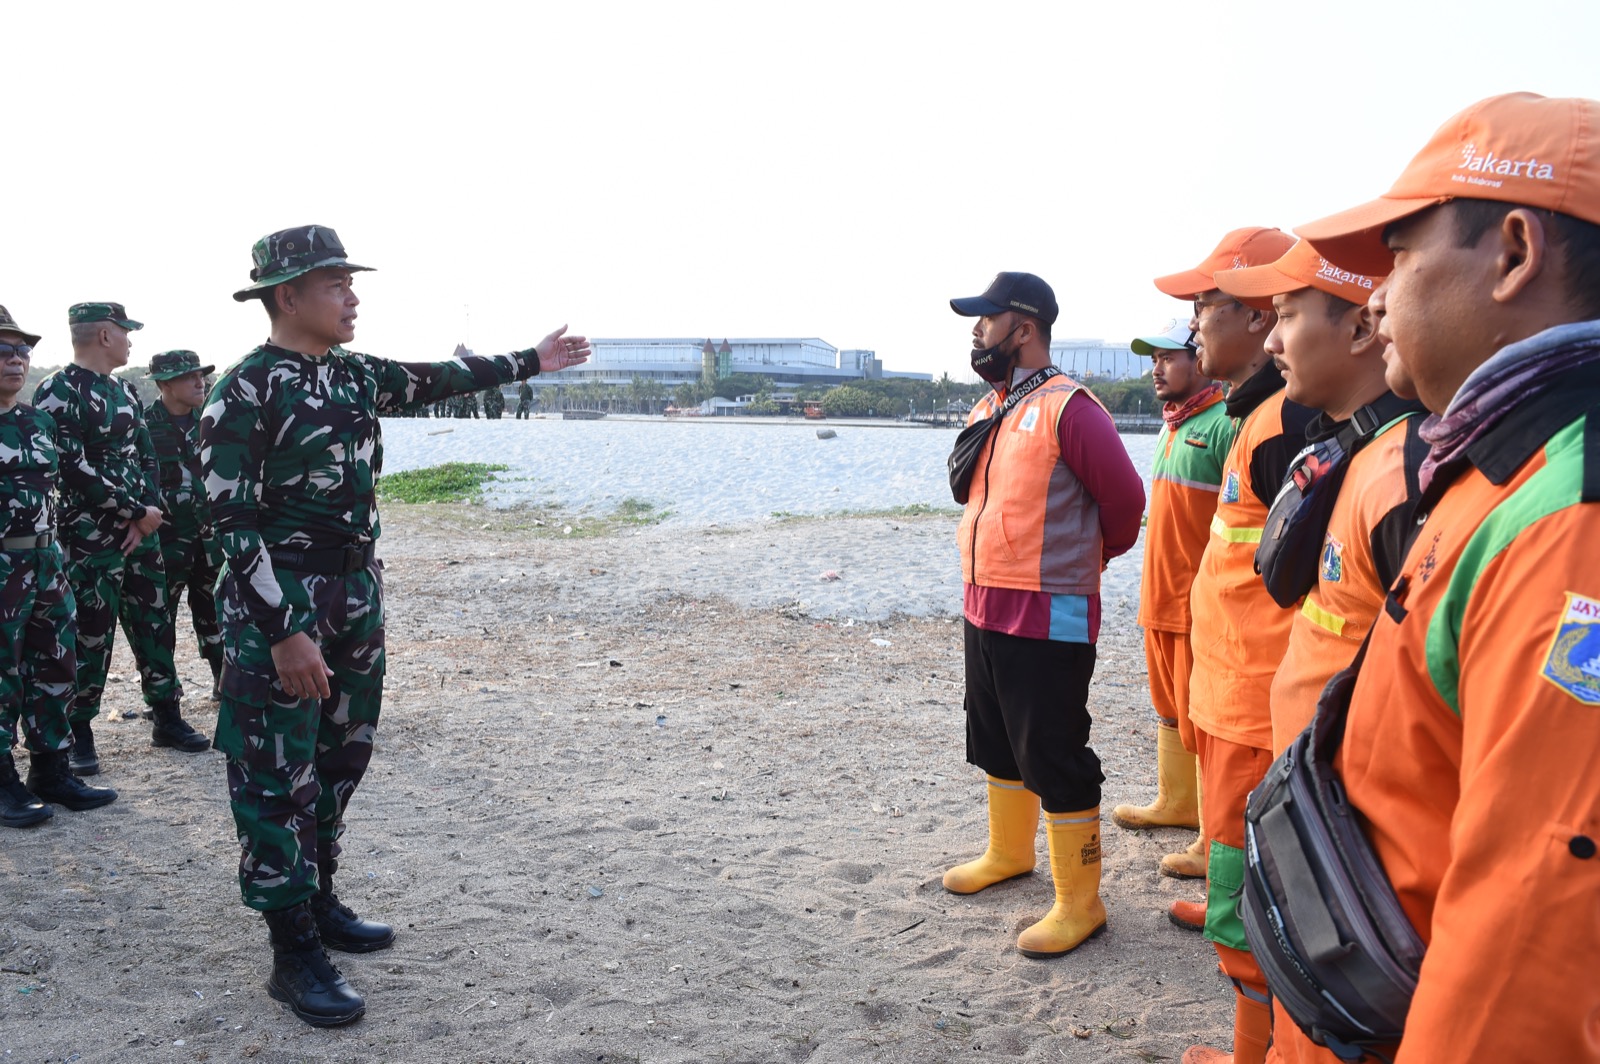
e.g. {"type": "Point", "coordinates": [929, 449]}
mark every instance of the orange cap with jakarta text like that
{"type": "Point", "coordinates": [1252, 246]}
{"type": "Point", "coordinates": [1518, 148]}
{"type": "Point", "coordinates": [1302, 266]}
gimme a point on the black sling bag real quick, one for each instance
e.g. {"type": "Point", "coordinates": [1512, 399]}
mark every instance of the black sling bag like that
{"type": "Point", "coordinates": [963, 461]}
{"type": "Point", "coordinates": [1322, 920]}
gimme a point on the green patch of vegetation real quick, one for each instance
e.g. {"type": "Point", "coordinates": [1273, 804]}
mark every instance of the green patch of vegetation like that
{"type": "Point", "coordinates": [451, 482]}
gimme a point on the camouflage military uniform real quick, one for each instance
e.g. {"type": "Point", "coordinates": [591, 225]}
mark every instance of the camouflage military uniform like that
{"type": "Point", "coordinates": [37, 674]}
{"type": "Point", "coordinates": [291, 447]}
{"type": "Point", "coordinates": [189, 550]}
{"type": "Point", "coordinates": [108, 473]}
{"type": "Point", "coordinates": [524, 400]}
{"type": "Point", "coordinates": [494, 403]}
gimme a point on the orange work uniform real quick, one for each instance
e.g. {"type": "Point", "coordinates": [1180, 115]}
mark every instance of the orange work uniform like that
{"type": "Point", "coordinates": [1471, 745]}
{"type": "Point", "coordinates": [1239, 634]}
{"type": "Point", "coordinates": [1361, 553]}
{"type": "Point", "coordinates": [1184, 482]}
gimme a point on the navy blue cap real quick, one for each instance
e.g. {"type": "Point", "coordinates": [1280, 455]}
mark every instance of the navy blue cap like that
{"type": "Point", "coordinates": [1022, 292]}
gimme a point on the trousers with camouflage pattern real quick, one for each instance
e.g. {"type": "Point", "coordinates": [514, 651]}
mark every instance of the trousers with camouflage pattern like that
{"type": "Point", "coordinates": [191, 561]}
{"type": "Point", "coordinates": [38, 672]}
{"type": "Point", "coordinates": [102, 581]}
{"type": "Point", "coordinates": [293, 763]}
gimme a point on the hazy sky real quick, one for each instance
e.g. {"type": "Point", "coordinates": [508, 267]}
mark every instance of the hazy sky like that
{"type": "Point", "coordinates": [711, 169]}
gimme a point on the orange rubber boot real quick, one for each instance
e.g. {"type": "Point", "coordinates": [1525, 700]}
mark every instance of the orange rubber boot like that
{"type": "Point", "coordinates": [1013, 825]}
{"type": "Point", "coordinates": [1252, 1033]}
{"type": "Point", "coordinates": [1177, 803]}
{"type": "Point", "coordinates": [1075, 866]}
{"type": "Point", "coordinates": [1189, 915]}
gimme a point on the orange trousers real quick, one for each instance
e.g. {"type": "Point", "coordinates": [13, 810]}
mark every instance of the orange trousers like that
{"type": "Point", "coordinates": [1228, 773]}
{"type": "Point", "coordinates": [1169, 658]}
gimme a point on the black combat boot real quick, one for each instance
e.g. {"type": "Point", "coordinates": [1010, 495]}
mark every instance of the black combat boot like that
{"type": "Point", "coordinates": [170, 729]}
{"type": "Point", "coordinates": [83, 759]}
{"type": "Point", "coordinates": [340, 928]}
{"type": "Point", "coordinates": [19, 807]}
{"type": "Point", "coordinates": [302, 975]}
{"type": "Point", "coordinates": [50, 777]}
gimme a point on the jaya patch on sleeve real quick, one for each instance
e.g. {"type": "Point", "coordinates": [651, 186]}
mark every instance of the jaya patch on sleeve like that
{"type": "Point", "coordinates": [1230, 486]}
{"type": "Point", "coordinates": [1573, 661]}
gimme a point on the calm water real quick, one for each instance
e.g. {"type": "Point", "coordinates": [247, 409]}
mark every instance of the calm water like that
{"type": "Point", "coordinates": [703, 471]}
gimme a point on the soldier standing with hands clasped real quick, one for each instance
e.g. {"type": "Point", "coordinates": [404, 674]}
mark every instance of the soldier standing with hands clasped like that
{"type": "Point", "coordinates": [291, 448]}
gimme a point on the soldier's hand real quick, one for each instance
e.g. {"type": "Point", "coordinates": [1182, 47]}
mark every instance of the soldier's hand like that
{"type": "Point", "coordinates": [131, 538]}
{"type": "Point", "coordinates": [151, 521]}
{"type": "Point", "coordinates": [558, 351]}
{"type": "Point", "coordinates": [301, 671]}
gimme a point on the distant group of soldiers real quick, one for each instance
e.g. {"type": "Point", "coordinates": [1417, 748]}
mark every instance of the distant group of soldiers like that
{"type": "Point", "coordinates": [491, 401]}
{"type": "Point", "coordinates": [103, 519]}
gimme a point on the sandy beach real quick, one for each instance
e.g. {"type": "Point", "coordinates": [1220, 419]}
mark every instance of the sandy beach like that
{"type": "Point", "coordinates": [671, 794]}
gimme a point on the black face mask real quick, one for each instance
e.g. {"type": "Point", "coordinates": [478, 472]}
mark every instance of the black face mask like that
{"type": "Point", "coordinates": [992, 364]}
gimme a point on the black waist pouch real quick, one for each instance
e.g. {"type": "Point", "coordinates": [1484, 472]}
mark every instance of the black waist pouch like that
{"type": "Point", "coordinates": [1322, 920]}
{"type": "Point", "coordinates": [963, 460]}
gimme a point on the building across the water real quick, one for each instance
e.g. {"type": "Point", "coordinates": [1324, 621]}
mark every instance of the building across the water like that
{"type": "Point", "coordinates": [1097, 360]}
{"type": "Point", "coordinates": [787, 360]}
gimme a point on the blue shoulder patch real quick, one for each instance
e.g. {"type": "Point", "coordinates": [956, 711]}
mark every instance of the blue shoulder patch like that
{"type": "Point", "coordinates": [1573, 661]}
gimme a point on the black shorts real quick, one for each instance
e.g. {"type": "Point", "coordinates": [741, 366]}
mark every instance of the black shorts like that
{"type": "Point", "coordinates": [1028, 716]}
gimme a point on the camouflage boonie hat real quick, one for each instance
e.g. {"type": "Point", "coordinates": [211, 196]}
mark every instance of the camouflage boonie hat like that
{"type": "Point", "coordinates": [9, 324]}
{"type": "Point", "coordinates": [169, 365]}
{"type": "Point", "coordinates": [288, 253]}
{"type": "Point", "coordinates": [86, 313]}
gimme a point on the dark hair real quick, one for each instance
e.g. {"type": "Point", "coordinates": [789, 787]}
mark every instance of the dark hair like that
{"type": "Point", "coordinates": [1578, 241]}
{"type": "Point", "coordinates": [1044, 329]}
{"type": "Point", "coordinates": [269, 296]}
{"type": "Point", "coordinates": [1338, 306]}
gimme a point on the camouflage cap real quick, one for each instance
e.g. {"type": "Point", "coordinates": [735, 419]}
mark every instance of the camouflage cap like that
{"type": "Point", "coordinates": [9, 324]}
{"type": "Point", "coordinates": [86, 313]}
{"type": "Point", "coordinates": [288, 253]}
{"type": "Point", "coordinates": [169, 365]}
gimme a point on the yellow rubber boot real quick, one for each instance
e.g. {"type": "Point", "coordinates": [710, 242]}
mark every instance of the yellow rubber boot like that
{"type": "Point", "coordinates": [1075, 866]}
{"type": "Point", "coordinates": [1190, 863]}
{"type": "Point", "coordinates": [1013, 825]}
{"type": "Point", "coordinates": [1177, 803]}
{"type": "Point", "coordinates": [1252, 1033]}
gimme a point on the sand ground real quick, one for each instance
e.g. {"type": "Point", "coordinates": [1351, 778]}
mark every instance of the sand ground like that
{"type": "Point", "coordinates": [641, 797]}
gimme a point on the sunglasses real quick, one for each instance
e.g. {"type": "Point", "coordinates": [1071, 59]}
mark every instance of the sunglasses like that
{"type": "Point", "coordinates": [20, 350]}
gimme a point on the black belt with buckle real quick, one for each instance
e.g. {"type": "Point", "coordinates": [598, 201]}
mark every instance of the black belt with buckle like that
{"type": "Point", "coordinates": [334, 562]}
{"type": "Point", "coordinates": [27, 542]}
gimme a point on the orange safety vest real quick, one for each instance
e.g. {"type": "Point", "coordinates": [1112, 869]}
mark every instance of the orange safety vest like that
{"type": "Point", "coordinates": [1238, 633]}
{"type": "Point", "coordinates": [1029, 523]}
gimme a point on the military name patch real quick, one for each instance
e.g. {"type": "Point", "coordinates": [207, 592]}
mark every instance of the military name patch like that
{"type": "Point", "coordinates": [1573, 661]}
{"type": "Point", "coordinates": [1230, 486]}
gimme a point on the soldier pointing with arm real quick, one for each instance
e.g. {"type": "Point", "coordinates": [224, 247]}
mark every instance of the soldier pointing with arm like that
{"type": "Point", "coordinates": [291, 448]}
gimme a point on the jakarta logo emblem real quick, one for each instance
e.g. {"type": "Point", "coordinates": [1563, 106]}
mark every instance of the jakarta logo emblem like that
{"type": "Point", "coordinates": [1230, 486]}
{"type": "Point", "coordinates": [1573, 661]}
{"type": "Point", "coordinates": [1029, 420]}
{"type": "Point", "coordinates": [1332, 560]}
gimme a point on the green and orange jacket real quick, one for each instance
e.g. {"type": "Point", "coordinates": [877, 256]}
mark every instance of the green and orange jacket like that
{"type": "Point", "coordinates": [1184, 482]}
{"type": "Point", "coordinates": [1473, 737]}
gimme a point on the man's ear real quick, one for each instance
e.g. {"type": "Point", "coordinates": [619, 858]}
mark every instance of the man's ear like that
{"type": "Point", "coordinates": [1522, 253]}
{"type": "Point", "coordinates": [1260, 322]}
{"type": "Point", "coordinates": [1364, 329]}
